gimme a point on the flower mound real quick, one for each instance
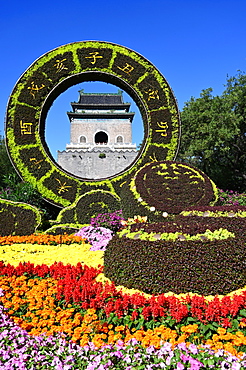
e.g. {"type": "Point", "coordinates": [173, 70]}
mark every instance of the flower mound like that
{"type": "Point", "coordinates": [202, 266]}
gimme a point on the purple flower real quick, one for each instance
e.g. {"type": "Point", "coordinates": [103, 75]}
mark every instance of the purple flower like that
{"type": "Point", "coordinates": [193, 348]}
{"type": "Point", "coordinates": [180, 366]}
{"type": "Point", "coordinates": [182, 346]}
{"type": "Point", "coordinates": [110, 221]}
{"type": "Point", "coordinates": [98, 237]}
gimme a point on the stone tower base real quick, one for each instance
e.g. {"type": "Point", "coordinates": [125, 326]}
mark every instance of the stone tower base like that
{"type": "Point", "coordinates": [95, 164]}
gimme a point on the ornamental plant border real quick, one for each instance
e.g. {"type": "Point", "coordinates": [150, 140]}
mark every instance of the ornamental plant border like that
{"type": "Point", "coordinates": [65, 66]}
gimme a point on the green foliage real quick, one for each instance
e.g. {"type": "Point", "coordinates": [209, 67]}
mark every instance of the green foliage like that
{"type": "Point", "coordinates": [88, 206]}
{"type": "Point", "coordinates": [62, 229]}
{"type": "Point", "coordinates": [153, 236]}
{"type": "Point", "coordinates": [214, 134]}
{"type": "Point", "coordinates": [6, 167]}
{"type": "Point", "coordinates": [18, 191]}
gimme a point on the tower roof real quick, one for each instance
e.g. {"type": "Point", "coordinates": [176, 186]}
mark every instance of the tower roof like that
{"type": "Point", "coordinates": [91, 105]}
{"type": "Point", "coordinates": [97, 115]}
{"type": "Point", "coordinates": [100, 98]}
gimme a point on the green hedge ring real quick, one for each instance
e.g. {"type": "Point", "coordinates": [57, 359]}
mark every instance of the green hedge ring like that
{"type": "Point", "coordinates": [55, 72]}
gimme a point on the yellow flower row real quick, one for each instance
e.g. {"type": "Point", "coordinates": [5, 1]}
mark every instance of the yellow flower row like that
{"type": "Point", "coordinates": [48, 254]}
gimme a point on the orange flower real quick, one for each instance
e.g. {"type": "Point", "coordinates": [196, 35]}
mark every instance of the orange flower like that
{"type": "Point", "coordinates": [189, 328]}
{"type": "Point", "coordinates": [41, 239]}
{"type": "Point", "coordinates": [119, 328]}
{"type": "Point", "coordinates": [221, 331]}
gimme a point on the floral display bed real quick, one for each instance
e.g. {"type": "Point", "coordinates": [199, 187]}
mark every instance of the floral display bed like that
{"type": "Point", "coordinates": [59, 311]}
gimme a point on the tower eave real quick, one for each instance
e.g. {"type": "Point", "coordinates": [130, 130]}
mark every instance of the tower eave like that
{"type": "Point", "coordinates": [123, 106]}
{"type": "Point", "coordinates": [110, 115]}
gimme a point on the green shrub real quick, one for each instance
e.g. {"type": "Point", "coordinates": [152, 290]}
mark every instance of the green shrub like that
{"type": "Point", "coordinates": [89, 205]}
{"type": "Point", "coordinates": [19, 191]}
{"type": "Point", "coordinates": [18, 218]}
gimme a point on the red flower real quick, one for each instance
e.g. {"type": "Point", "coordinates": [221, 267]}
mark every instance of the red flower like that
{"type": "Point", "coordinates": [226, 323]}
{"type": "Point", "coordinates": [134, 315]}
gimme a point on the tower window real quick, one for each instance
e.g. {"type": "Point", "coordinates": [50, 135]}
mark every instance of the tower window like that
{"type": "Point", "coordinates": [101, 138]}
{"type": "Point", "coordinates": [119, 139]}
{"type": "Point", "coordinates": [82, 139]}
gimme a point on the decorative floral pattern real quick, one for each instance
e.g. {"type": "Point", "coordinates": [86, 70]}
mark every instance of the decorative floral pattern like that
{"type": "Point", "coordinates": [167, 187]}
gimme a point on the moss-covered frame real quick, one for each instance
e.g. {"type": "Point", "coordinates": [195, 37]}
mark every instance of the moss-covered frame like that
{"type": "Point", "coordinates": [55, 72]}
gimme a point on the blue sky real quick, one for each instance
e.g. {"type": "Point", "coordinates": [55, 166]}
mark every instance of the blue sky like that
{"type": "Point", "coordinates": [195, 44]}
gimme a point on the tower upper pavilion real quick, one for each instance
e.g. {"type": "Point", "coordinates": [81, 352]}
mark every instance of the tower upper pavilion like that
{"type": "Point", "coordinates": [99, 123]}
{"type": "Point", "coordinates": [100, 120]}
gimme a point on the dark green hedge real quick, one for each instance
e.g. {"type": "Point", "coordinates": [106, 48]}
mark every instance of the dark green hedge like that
{"type": "Point", "coordinates": [203, 267]}
{"type": "Point", "coordinates": [89, 205]}
{"type": "Point", "coordinates": [62, 229]}
{"type": "Point", "coordinates": [18, 218]}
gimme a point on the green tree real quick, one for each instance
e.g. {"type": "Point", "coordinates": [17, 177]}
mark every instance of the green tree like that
{"type": "Point", "coordinates": [6, 167]}
{"type": "Point", "coordinates": [214, 134]}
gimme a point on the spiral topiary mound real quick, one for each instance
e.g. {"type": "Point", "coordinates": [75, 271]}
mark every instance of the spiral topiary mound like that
{"type": "Point", "coordinates": [166, 187]}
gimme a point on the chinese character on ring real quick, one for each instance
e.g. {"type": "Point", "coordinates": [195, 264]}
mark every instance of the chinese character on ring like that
{"type": "Point", "coordinates": [164, 127]}
{"type": "Point", "coordinates": [127, 69]}
{"type": "Point", "coordinates": [26, 128]}
{"type": "Point", "coordinates": [34, 89]}
{"type": "Point", "coordinates": [94, 56]}
{"type": "Point", "coordinates": [152, 94]}
{"type": "Point", "coordinates": [60, 65]}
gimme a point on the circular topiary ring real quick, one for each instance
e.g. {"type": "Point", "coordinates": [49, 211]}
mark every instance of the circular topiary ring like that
{"type": "Point", "coordinates": [55, 72]}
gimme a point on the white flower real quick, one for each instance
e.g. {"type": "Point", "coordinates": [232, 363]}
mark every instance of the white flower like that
{"type": "Point", "coordinates": [140, 199]}
{"type": "Point", "coordinates": [152, 209]}
{"type": "Point", "coordinates": [164, 214]}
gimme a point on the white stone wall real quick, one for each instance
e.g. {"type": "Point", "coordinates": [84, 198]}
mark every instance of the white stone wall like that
{"type": "Point", "coordinates": [89, 127]}
{"type": "Point", "coordinates": [90, 166]}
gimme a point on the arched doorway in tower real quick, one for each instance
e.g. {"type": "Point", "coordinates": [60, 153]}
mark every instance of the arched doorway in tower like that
{"type": "Point", "coordinates": [101, 138]}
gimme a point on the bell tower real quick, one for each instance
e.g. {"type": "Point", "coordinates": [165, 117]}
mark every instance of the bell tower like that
{"type": "Point", "coordinates": [100, 136]}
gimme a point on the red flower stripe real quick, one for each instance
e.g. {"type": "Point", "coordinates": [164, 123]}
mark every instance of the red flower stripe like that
{"type": "Point", "coordinates": [77, 284]}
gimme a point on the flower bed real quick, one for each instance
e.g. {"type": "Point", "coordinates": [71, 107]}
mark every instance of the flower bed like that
{"type": "Point", "coordinates": [95, 315]}
{"type": "Point", "coordinates": [186, 254]}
